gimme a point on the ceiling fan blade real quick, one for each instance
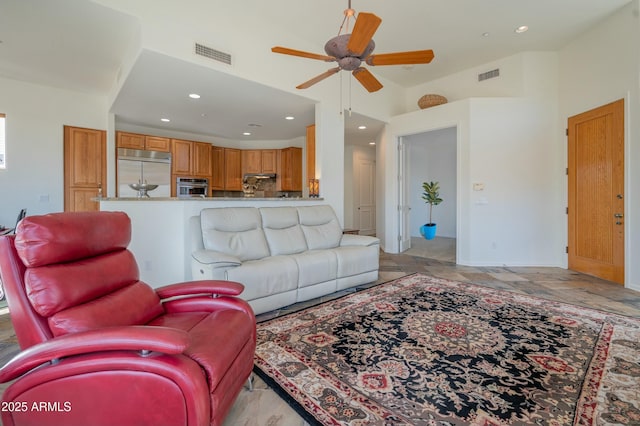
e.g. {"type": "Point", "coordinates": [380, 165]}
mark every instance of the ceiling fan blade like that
{"type": "Point", "coordinates": [401, 58]}
{"type": "Point", "coordinates": [367, 79]}
{"type": "Point", "coordinates": [363, 31]}
{"type": "Point", "coordinates": [293, 52]}
{"type": "Point", "coordinates": [318, 78]}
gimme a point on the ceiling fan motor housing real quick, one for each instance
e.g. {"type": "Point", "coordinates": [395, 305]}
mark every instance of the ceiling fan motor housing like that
{"type": "Point", "coordinates": [337, 47]}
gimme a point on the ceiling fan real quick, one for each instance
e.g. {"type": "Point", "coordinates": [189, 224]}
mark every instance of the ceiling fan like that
{"type": "Point", "coordinates": [350, 50]}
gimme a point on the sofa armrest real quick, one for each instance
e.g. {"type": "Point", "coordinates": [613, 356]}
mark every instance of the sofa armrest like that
{"type": "Point", "coordinates": [358, 240]}
{"type": "Point", "coordinates": [215, 258]}
{"type": "Point", "coordinates": [218, 287]}
{"type": "Point", "coordinates": [134, 338]}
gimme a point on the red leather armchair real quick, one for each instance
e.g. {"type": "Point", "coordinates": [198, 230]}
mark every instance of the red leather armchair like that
{"type": "Point", "coordinates": [101, 347]}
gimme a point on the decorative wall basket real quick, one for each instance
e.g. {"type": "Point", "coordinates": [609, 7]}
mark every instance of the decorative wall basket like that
{"type": "Point", "coordinates": [430, 100]}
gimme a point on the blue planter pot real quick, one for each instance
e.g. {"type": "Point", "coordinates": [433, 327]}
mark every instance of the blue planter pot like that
{"type": "Point", "coordinates": [428, 231]}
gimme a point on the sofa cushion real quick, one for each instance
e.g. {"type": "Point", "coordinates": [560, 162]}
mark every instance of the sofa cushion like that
{"type": "Point", "coordinates": [320, 226]}
{"type": "Point", "coordinates": [265, 277]}
{"type": "Point", "coordinates": [236, 231]}
{"type": "Point", "coordinates": [316, 266]}
{"type": "Point", "coordinates": [282, 230]}
{"type": "Point", "coordinates": [354, 260]}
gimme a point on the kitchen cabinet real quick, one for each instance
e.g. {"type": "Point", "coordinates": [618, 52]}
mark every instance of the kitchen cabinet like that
{"type": "Point", "coordinates": [201, 160]}
{"type": "Point", "coordinates": [232, 169]}
{"type": "Point", "coordinates": [251, 161]}
{"type": "Point", "coordinates": [157, 143]}
{"type": "Point", "coordinates": [138, 141]}
{"type": "Point", "coordinates": [181, 157]}
{"type": "Point", "coordinates": [259, 161]}
{"type": "Point", "coordinates": [269, 162]}
{"type": "Point", "coordinates": [129, 140]}
{"type": "Point", "coordinates": [217, 169]}
{"type": "Point", "coordinates": [290, 173]}
{"type": "Point", "coordinates": [190, 158]}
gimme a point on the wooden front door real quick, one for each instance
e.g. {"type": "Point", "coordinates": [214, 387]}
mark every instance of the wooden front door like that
{"type": "Point", "coordinates": [366, 196]}
{"type": "Point", "coordinates": [85, 168]}
{"type": "Point", "coordinates": [596, 192]}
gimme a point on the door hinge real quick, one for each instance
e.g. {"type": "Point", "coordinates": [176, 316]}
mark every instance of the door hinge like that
{"type": "Point", "coordinates": [399, 238]}
{"type": "Point", "coordinates": [566, 249]}
{"type": "Point", "coordinates": [567, 210]}
{"type": "Point", "coordinates": [567, 132]}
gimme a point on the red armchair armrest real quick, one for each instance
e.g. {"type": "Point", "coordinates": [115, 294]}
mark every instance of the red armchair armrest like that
{"type": "Point", "coordinates": [219, 287]}
{"type": "Point", "coordinates": [134, 338]}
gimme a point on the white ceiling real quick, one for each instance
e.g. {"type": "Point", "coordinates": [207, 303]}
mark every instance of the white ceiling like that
{"type": "Point", "coordinates": [80, 45]}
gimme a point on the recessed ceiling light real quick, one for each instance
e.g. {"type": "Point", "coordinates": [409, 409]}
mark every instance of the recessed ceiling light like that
{"type": "Point", "coordinates": [372, 143]}
{"type": "Point", "coordinates": [247, 133]}
{"type": "Point", "coordinates": [485, 34]}
{"type": "Point", "coordinates": [362, 127]}
{"type": "Point", "coordinates": [194, 96]}
{"type": "Point", "coordinates": [166, 120]}
{"type": "Point", "coordinates": [254, 125]}
{"type": "Point", "coordinates": [522, 29]}
{"type": "Point", "coordinates": [289, 117]}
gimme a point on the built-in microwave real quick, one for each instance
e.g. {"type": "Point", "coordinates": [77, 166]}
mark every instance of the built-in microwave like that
{"type": "Point", "coordinates": [191, 187]}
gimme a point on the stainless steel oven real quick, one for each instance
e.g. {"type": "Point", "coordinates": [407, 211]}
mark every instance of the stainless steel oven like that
{"type": "Point", "coordinates": [190, 187]}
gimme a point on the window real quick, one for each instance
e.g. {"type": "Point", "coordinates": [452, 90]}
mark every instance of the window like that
{"type": "Point", "coordinates": [2, 158]}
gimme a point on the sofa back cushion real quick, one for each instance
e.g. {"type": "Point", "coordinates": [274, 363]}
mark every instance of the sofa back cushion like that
{"type": "Point", "coordinates": [79, 274]}
{"type": "Point", "coordinates": [320, 226]}
{"type": "Point", "coordinates": [282, 230]}
{"type": "Point", "coordinates": [234, 230]}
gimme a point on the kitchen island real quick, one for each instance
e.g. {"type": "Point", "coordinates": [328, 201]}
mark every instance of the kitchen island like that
{"type": "Point", "coordinates": [160, 238]}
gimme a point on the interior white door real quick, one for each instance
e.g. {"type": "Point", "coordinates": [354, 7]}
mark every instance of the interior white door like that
{"type": "Point", "coordinates": [404, 225]}
{"type": "Point", "coordinates": [365, 191]}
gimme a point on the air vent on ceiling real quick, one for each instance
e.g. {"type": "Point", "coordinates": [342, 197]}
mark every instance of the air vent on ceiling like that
{"type": "Point", "coordinates": [214, 54]}
{"type": "Point", "coordinates": [489, 74]}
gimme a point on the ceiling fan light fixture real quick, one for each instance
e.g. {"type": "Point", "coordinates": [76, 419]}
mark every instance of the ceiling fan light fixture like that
{"type": "Point", "coordinates": [522, 29]}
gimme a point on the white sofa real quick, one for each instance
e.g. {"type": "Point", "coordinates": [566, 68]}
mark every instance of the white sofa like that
{"type": "Point", "coordinates": [282, 255]}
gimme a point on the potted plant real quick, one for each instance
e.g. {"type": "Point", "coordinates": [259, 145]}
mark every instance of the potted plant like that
{"type": "Point", "coordinates": [431, 196]}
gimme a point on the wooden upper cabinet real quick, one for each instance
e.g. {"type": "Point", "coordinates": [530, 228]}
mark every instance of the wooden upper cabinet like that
{"type": "Point", "coordinates": [291, 169]}
{"type": "Point", "coordinates": [138, 141]}
{"type": "Point", "coordinates": [259, 160]}
{"type": "Point", "coordinates": [233, 169]}
{"type": "Point", "coordinates": [181, 157]}
{"type": "Point", "coordinates": [130, 140]}
{"type": "Point", "coordinates": [201, 160]}
{"type": "Point", "coordinates": [269, 163]}
{"type": "Point", "coordinates": [311, 151]}
{"type": "Point", "coordinates": [251, 161]}
{"type": "Point", "coordinates": [217, 168]}
{"type": "Point", "coordinates": [157, 143]}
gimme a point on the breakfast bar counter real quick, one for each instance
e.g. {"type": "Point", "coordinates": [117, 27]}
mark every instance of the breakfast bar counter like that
{"type": "Point", "coordinates": [160, 237]}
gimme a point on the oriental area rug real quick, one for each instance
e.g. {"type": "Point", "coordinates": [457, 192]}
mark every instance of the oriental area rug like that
{"type": "Point", "coordinates": [427, 351]}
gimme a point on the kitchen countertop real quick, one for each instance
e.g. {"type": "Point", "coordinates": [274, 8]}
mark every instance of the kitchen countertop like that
{"type": "Point", "coordinates": [209, 199]}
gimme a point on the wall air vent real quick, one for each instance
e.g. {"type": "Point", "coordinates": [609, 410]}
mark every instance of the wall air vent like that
{"type": "Point", "coordinates": [214, 54]}
{"type": "Point", "coordinates": [489, 74]}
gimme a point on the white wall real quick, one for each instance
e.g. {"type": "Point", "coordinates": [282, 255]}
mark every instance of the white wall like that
{"type": "Point", "coordinates": [601, 66]}
{"type": "Point", "coordinates": [35, 119]}
{"type": "Point", "coordinates": [432, 157]}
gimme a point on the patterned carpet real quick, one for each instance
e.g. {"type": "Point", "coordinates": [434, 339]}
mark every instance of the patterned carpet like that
{"type": "Point", "coordinates": [426, 351]}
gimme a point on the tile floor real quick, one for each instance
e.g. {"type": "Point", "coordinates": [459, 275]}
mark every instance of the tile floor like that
{"type": "Point", "coordinates": [262, 407]}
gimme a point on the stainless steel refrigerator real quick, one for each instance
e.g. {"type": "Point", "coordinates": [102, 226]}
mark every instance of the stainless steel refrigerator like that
{"type": "Point", "coordinates": [137, 166]}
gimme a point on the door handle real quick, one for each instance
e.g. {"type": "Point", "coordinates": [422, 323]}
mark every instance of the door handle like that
{"type": "Point", "coordinates": [618, 215]}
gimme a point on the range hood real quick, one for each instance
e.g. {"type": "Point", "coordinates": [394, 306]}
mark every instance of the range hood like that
{"type": "Point", "coordinates": [259, 175]}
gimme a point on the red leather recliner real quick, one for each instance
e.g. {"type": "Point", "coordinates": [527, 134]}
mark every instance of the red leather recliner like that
{"type": "Point", "coordinates": [101, 347]}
